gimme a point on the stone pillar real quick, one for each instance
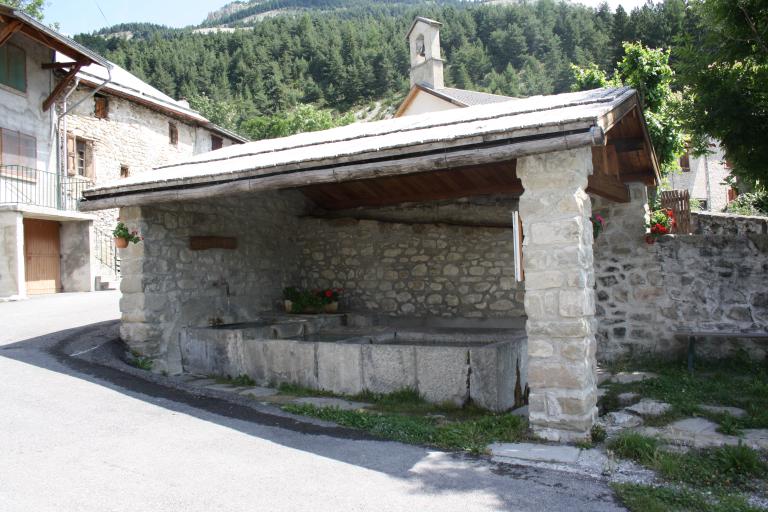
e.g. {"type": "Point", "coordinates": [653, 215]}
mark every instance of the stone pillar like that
{"type": "Point", "coordinates": [12, 285]}
{"type": "Point", "coordinates": [76, 244]}
{"type": "Point", "coordinates": [559, 295]}
{"type": "Point", "coordinates": [137, 330]}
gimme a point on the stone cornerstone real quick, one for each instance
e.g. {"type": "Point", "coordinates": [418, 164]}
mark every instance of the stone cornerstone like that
{"type": "Point", "coordinates": [559, 294]}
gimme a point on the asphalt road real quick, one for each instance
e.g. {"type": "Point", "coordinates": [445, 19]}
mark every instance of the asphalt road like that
{"type": "Point", "coordinates": [75, 436]}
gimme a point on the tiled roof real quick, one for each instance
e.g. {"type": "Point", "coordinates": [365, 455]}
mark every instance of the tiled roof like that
{"type": "Point", "coordinates": [471, 98]}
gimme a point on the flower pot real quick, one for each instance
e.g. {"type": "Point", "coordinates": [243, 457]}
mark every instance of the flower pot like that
{"type": "Point", "coordinates": [288, 304]}
{"type": "Point", "coordinates": [331, 307]}
{"type": "Point", "coordinates": [121, 243]}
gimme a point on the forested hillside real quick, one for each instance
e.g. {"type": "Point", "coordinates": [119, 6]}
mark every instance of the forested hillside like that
{"type": "Point", "coordinates": [354, 51]}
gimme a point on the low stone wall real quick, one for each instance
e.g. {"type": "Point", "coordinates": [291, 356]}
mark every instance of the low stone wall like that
{"type": "Point", "coordinates": [394, 267]}
{"type": "Point", "coordinates": [716, 278]}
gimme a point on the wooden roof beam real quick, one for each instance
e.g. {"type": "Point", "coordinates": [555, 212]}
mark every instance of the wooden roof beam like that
{"type": "Point", "coordinates": [7, 31]}
{"type": "Point", "coordinates": [61, 87]}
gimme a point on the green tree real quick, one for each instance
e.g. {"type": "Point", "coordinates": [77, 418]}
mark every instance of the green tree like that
{"type": "Point", "coordinates": [303, 118]}
{"type": "Point", "coordinates": [32, 7]}
{"type": "Point", "coordinates": [723, 71]}
{"type": "Point", "coordinates": [647, 71]}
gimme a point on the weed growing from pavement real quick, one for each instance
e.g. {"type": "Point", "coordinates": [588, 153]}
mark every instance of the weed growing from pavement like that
{"type": "Point", "coordinates": [140, 361]}
{"type": "Point", "coordinates": [239, 381]}
{"type": "Point", "coordinates": [472, 435]}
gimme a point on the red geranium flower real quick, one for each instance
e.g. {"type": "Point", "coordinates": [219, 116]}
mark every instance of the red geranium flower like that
{"type": "Point", "coordinates": [328, 293]}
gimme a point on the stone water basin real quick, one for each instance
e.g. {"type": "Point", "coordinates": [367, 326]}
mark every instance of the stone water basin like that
{"type": "Point", "coordinates": [486, 366]}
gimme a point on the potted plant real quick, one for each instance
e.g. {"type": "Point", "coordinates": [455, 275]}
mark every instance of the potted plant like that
{"type": "Point", "coordinates": [309, 302]}
{"type": "Point", "coordinates": [661, 222]}
{"type": "Point", "coordinates": [598, 223]}
{"type": "Point", "coordinates": [291, 294]}
{"type": "Point", "coordinates": [124, 236]}
{"type": "Point", "coordinates": [330, 299]}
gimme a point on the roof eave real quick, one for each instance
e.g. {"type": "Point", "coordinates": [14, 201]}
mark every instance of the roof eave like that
{"type": "Point", "coordinates": [75, 50]}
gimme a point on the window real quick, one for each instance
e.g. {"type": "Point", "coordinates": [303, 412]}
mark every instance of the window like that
{"type": "Point", "coordinates": [216, 143]}
{"type": "Point", "coordinates": [685, 162]}
{"type": "Point", "coordinates": [173, 134]}
{"type": "Point", "coordinates": [18, 152]}
{"type": "Point", "coordinates": [100, 107]}
{"type": "Point", "coordinates": [79, 157]}
{"type": "Point", "coordinates": [124, 171]}
{"type": "Point", "coordinates": [13, 67]}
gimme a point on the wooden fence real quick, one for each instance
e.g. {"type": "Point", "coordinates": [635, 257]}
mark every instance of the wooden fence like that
{"type": "Point", "coordinates": [679, 202]}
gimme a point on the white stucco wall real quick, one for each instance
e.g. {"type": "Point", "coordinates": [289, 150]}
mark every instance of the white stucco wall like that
{"type": "Point", "coordinates": [425, 102]}
{"type": "Point", "coordinates": [23, 112]}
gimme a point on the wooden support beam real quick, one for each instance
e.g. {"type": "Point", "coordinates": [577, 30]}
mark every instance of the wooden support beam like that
{"type": "Point", "coordinates": [61, 87]}
{"type": "Point", "coordinates": [61, 65]}
{"type": "Point", "coordinates": [608, 187]}
{"type": "Point", "coordinates": [7, 31]}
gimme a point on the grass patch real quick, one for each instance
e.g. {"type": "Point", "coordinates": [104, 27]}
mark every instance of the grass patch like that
{"type": "Point", "coordinates": [724, 469]}
{"type": "Point", "coordinates": [239, 382]}
{"type": "Point", "coordinates": [646, 498]}
{"type": "Point", "coordinates": [140, 361]}
{"type": "Point", "coordinates": [472, 435]}
{"type": "Point", "coordinates": [737, 382]}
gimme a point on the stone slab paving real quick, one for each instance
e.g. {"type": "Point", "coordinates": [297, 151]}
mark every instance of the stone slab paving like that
{"type": "Point", "coordinates": [628, 397]}
{"type": "Point", "coordinates": [225, 387]}
{"type": "Point", "coordinates": [603, 376]}
{"type": "Point", "coordinates": [344, 405]}
{"type": "Point", "coordinates": [536, 452]}
{"type": "Point", "coordinates": [618, 420]}
{"type": "Point", "coordinates": [630, 377]}
{"type": "Point", "coordinates": [722, 409]}
{"type": "Point", "coordinates": [648, 407]}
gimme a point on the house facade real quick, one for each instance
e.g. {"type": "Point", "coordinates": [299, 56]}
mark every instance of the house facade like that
{"type": "Point", "coordinates": [70, 119]}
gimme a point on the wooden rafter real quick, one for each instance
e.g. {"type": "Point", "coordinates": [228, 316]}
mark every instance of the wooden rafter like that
{"type": "Point", "coordinates": [62, 65]}
{"type": "Point", "coordinates": [61, 87]}
{"type": "Point", "coordinates": [7, 31]}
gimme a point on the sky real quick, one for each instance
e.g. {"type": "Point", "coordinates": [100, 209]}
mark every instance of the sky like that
{"type": "Point", "coordinates": [76, 16]}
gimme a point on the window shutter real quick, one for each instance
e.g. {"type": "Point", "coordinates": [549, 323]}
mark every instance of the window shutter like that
{"type": "Point", "coordinates": [71, 155]}
{"type": "Point", "coordinates": [101, 107]}
{"type": "Point", "coordinates": [89, 160]}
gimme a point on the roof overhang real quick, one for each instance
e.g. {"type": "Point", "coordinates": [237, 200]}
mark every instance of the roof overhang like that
{"type": "Point", "coordinates": [418, 88]}
{"type": "Point", "coordinates": [30, 27]}
{"type": "Point", "coordinates": [422, 19]}
{"type": "Point", "coordinates": [455, 139]}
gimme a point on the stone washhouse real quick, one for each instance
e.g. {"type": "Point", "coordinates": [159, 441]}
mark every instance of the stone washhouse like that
{"type": "Point", "coordinates": [416, 218]}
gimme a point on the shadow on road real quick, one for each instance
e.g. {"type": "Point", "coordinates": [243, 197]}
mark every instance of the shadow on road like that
{"type": "Point", "coordinates": [429, 471]}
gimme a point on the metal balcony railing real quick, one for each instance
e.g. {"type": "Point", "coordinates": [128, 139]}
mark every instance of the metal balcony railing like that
{"type": "Point", "coordinates": [24, 185]}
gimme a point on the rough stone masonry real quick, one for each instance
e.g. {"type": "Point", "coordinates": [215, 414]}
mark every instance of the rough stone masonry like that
{"type": "Point", "coordinates": [559, 295]}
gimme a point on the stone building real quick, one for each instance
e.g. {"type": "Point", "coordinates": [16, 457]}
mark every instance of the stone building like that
{"type": "Point", "coordinates": [704, 177]}
{"type": "Point", "coordinates": [413, 217]}
{"type": "Point", "coordinates": [70, 119]}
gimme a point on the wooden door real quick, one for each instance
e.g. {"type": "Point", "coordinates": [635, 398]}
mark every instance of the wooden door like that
{"type": "Point", "coordinates": [42, 256]}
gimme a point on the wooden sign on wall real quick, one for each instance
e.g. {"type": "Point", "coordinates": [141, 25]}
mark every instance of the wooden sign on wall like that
{"type": "Point", "coordinates": [203, 243]}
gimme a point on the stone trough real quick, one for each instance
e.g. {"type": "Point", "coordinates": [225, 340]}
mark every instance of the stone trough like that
{"type": "Point", "coordinates": [456, 365]}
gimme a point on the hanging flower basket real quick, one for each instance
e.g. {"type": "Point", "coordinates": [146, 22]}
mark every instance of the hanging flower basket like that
{"type": "Point", "coordinates": [123, 235]}
{"type": "Point", "coordinates": [598, 223]}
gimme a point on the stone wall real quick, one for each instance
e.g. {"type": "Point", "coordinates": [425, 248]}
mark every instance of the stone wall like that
{"type": "Point", "coordinates": [716, 278]}
{"type": "Point", "coordinates": [559, 295]}
{"type": "Point", "coordinates": [450, 259]}
{"type": "Point", "coordinates": [167, 286]}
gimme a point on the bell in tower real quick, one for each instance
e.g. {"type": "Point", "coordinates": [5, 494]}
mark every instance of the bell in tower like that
{"type": "Point", "coordinates": [426, 64]}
